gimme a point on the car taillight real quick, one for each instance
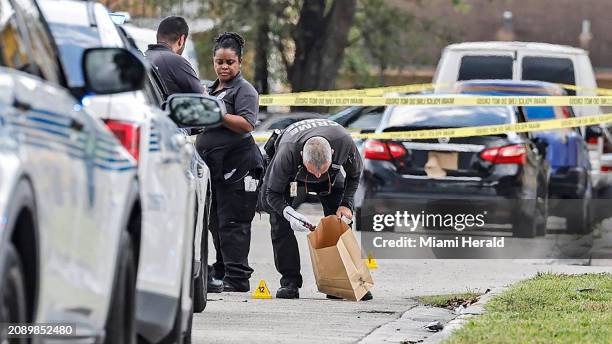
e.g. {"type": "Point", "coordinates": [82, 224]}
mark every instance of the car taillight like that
{"type": "Point", "coordinates": [606, 169]}
{"type": "Point", "coordinates": [377, 150]}
{"type": "Point", "coordinates": [514, 154]}
{"type": "Point", "coordinates": [592, 141]}
{"type": "Point", "coordinates": [397, 150]}
{"type": "Point", "coordinates": [128, 134]}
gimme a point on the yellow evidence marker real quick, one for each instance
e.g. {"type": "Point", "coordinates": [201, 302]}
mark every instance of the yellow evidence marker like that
{"type": "Point", "coordinates": [262, 291]}
{"type": "Point", "coordinates": [371, 262]}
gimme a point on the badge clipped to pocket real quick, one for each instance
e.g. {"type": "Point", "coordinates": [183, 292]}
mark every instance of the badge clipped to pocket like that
{"type": "Point", "coordinates": [293, 189]}
{"type": "Point", "coordinates": [250, 184]}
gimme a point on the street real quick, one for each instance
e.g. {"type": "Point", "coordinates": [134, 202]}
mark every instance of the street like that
{"type": "Point", "coordinates": [237, 318]}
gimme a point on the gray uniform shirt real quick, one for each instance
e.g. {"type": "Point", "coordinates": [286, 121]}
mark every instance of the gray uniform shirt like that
{"type": "Point", "coordinates": [287, 159]}
{"type": "Point", "coordinates": [177, 73]}
{"type": "Point", "coordinates": [240, 98]}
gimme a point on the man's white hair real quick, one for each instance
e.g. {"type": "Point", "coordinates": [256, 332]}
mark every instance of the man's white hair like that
{"type": "Point", "coordinates": [317, 152]}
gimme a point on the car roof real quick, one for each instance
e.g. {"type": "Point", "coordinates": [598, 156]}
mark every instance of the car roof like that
{"type": "Point", "coordinates": [530, 46]}
{"type": "Point", "coordinates": [510, 87]}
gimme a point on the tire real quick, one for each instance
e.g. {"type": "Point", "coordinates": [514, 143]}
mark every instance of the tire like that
{"type": "Point", "coordinates": [524, 225]}
{"type": "Point", "coordinates": [13, 303]}
{"type": "Point", "coordinates": [541, 215]}
{"type": "Point", "coordinates": [580, 219]}
{"type": "Point", "coordinates": [121, 324]}
{"type": "Point", "coordinates": [200, 288]}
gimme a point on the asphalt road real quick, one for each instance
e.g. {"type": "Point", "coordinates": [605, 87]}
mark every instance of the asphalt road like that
{"type": "Point", "coordinates": [236, 318]}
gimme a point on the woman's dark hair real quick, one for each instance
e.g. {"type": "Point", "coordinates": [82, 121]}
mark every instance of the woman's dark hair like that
{"type": "Point", "coordinates": [230, 40]}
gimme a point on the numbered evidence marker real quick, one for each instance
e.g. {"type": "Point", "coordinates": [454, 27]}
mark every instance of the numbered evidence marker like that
{"type": "Point", "coordinates": [262, 291]}
{"type": "Point", "coordinates": [371, 262]}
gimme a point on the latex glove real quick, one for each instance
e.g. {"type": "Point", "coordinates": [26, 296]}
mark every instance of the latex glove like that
{"type": "Point", "coordinates": [344, 212]}
{"type": "Point", "coordinates": [298, 221]}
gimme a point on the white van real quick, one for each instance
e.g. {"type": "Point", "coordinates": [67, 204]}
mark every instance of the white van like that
{"type": "Point", "coordinates": [523, 61]}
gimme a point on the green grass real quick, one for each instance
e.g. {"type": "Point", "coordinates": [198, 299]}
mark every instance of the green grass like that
{"type": "Point", "coordinates": [448, 299]}
{"type": "Point", "coordinates": [546, 309]}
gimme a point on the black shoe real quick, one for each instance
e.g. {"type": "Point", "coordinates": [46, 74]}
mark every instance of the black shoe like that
{"type": "Point", "coordinates": [230, 288]}
{"type": "Point", "coordinates": [367, 297]}
{"type": "Point", "coordinates": [214, 285]}
{"type": "Point", "coordinates": [288, 292]}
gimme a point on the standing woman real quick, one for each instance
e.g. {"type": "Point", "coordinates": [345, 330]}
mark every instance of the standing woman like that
{"type": "Point", "coordinates": [235, 163]}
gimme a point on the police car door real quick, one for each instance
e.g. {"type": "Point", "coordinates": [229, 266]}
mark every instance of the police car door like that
{"type": "Point", "coordinates": [49, 136]}
{"type": "Point", "coordinates": [167, 203]}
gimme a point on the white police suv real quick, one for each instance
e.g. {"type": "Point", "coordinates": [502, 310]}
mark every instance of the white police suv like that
{"type": "Point", "coordinates": [69, 194]}
{"type": "Point", "coordinates": [166, 172]}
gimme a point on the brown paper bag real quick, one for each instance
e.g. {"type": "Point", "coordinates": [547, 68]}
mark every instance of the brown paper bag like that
{"type": "Point", "coordinates": [336, 260]}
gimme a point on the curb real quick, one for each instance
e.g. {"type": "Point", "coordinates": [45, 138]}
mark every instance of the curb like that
{"type": "Point", "coordinates": [466, 315]}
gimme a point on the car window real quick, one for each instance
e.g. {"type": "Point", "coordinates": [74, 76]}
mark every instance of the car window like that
{"type": "Point", "coordinates": [43, 53]}
{"type": "Point", "coordinates": [551, 69]}
{"type": "Point", "coordinates": [485, 67]}
{"type": "Point", "coordinates": [448, 117]}
{"type": "Point", "coordinates": [367, 120]}
{"type": "Point", "coordinates": [72, 40]}
{"type": "Point", "coordinates": [13, 51]}
{"type": "Point", "coordinates": [539, 113]}
{"type": "Point", "coordinates": [152, 92]}
{"type": "Point", "coordinates": [283, 123]}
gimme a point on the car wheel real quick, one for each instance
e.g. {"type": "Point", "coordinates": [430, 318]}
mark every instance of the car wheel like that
{"type": "Point", "coordinates": [120, 324]}
{"type": "Point", "coordinates": [541, 215]}
{"type": "Point", "coordinates": [13, 306]}
{"type": "Point", "coordinates": [524, 225]}
{"type": "Point", "coordinates": [200, 287]}
{"type": "Point", "coordinates": [578, 220]}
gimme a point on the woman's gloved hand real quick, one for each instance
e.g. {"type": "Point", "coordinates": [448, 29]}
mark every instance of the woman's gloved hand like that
{"type": "Point", "coordinates": [298, 222]}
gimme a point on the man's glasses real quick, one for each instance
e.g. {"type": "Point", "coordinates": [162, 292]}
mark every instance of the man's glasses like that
{"type": "Point", "coordinates": [322, 193]}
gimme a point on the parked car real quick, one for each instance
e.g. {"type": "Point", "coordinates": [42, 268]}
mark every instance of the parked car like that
{"type": "Point", "coordinates": [359, 118]}
{"type": "Point", "coordinates": [525, 61]}
{"type": "Point", "coordinates": [566, 149]}
{"type": "Point", "coordinates": [485, 172]}
{"type": "Point", "coordinates": [165, 173]}
{"type": "Point", "coordinates": [200, 171]}
{"type": "Point", "coordinates": [69, 196]}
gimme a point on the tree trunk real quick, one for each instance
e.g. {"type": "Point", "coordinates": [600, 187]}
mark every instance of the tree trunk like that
{"type": "Point", "coordinates": [320, 40]}
{"type": "Point", "coordinates": [262, 46]}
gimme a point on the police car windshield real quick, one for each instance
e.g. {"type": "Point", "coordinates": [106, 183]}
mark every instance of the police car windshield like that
{"type": "Point", "coordinates": [448, 117]}
{"type": "Point", "coordinates": [71, 41]}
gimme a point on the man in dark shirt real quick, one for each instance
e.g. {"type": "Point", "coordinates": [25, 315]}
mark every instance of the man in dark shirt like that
{"type": "Point", "coordinates": [176, 72]}
{"type": "Point", "coordinates": [310, 154]}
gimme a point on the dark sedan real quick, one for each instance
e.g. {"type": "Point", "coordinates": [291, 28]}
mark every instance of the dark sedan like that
{"type": "Point", "coordinates": [506, 176]}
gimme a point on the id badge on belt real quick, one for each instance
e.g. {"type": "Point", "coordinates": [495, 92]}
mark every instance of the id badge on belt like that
{"type": "Point", "coordinates": [293, 189]}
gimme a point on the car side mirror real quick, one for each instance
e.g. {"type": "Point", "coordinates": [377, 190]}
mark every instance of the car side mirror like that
{"type": "Point", "coordinates": [112, 70]}
{"type": "Point", "coordinates": [195, 110]}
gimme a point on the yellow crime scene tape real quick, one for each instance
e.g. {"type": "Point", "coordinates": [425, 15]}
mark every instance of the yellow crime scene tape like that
{"type": "Point", "coordinates": [381, 91]}
{"type": "Point", "coordinates": [445, 100]}
{"type": "Point", "coordinates": [366, 92]}
{"type": "Point", "coordinates": [482, 130]}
